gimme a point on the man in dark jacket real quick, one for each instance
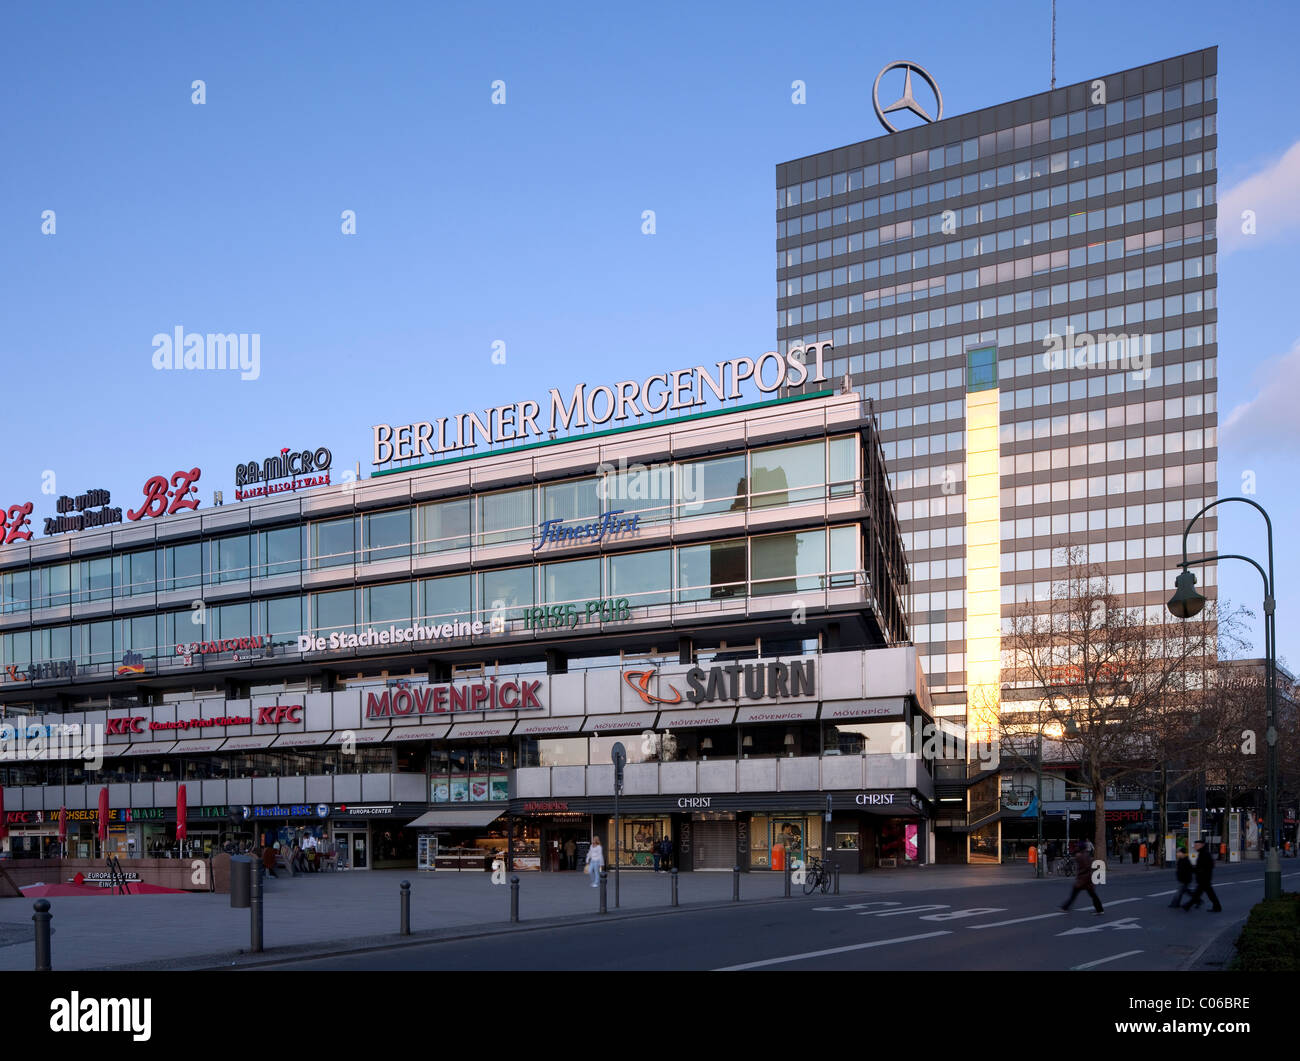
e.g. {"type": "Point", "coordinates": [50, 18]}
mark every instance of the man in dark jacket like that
{"type": "Point", "coordinates": [1204, 873]}
{"type": "Point", "coordinates": [1083, 878]}
{"type": "Point", "coordinates": [1183, 872]}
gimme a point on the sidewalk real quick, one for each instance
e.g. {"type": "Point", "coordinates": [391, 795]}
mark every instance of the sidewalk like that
{"type": "Point", "coordinates": [323, 910]}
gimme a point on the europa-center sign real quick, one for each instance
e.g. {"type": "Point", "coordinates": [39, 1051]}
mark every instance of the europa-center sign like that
{"type": "Point", "coordinates": [586, 407]}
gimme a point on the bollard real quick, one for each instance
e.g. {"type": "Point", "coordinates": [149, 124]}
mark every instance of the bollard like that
{"type": "Point", "coordinates": [42, 917]}
{"type": "Point", "coordinates": [674, 876]}
{"type": "Point", "coordinates": [787, 880]}
{"type": "Point", "coordinates": [514, 898]}
{"type": "Point", "coordinates": [837, 878]}
{"type": "Point", "coordinates": [735, 884]}
{"type": "Point", "coordinates": [255, 913]}
{"type": "Point", "coordinates": [405, 930]}
{"type": "Point", "coordinates": [604, 879]}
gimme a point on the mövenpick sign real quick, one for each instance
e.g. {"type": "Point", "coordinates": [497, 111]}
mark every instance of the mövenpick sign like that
{"type": "Point", "coordinates": [586, 407]}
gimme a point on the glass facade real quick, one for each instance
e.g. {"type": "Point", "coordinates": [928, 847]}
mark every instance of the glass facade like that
{"type": "Point", "coordinates": [1074, 238]}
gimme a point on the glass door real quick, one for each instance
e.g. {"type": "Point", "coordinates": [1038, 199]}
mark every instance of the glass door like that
{"type": "Point", "coordinates": [358, 851]}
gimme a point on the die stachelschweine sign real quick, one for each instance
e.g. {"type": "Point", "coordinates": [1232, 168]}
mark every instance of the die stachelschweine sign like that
{"type": "Point", "coordinates": [586, 406]}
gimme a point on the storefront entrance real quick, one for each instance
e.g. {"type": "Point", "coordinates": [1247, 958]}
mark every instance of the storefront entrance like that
{"type": "Point", "coordinates": [354, 846]}
{"type": "Point", "coordinates": [714, 842]}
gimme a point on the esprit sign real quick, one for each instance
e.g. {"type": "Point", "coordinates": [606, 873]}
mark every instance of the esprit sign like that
{"type": "Point", "coordinates": [586, 407]}
{"type": "Point", "coordinates": [456, 698]}
{"type": "Point", "coordinates": [312, 465]}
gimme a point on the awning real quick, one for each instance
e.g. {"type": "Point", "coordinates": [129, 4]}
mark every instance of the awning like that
{"type": "Point", "coordinates": [359, 736]}
{"type": "Point", "coordinates": [532, 727]}
{"type": "Point", "coordinates": [400, 733]}
{"type": "Point", "coordinates": [893, 707]}
{"type": "Point", "coordinates": [454, 818]}
{"type": "Point", "coordinates": [194, 747]}
{"type": "Point", "coordinates": [777, 713]}
{"type": "Point", "coordinates": [302, 740]}
{"type": "Point", "coordinates": [239, 744]}
{"type": "Point", "coordinates": [147, 748]}
{"type": "Point", "coordinates": [698, 717]}
{"type": "Point", "coordinates": [615, 723]}
{"type": "Point", "coordinates": [481, 729]}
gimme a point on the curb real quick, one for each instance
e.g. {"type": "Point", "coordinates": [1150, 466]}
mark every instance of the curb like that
{"type": "Point", "coordinates": [1223, 944]}
{"type": "Point", "coordinates": [231, 960]}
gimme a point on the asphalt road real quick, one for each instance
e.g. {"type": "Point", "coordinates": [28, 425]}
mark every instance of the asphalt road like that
{"type": "Point", "coordinates": [1000, 927]}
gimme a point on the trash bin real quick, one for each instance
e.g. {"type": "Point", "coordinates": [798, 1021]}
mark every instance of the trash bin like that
{"type": "Point", "coordinates": [241, 881]}
{"type": "Point", "coordinates": [778, 857]}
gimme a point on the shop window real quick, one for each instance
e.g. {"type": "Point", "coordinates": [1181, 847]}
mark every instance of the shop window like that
{"type": "Point", "coordinates": [788, 474]}
{"type": "Point", "coordinates": [444, 526]}
{"type": "Point", "coordinates": [643, 578]}
{"type": "Point", "coordinates": [576, 499]}
{"type": "Point", "coordinates": [505, 517]}
{"type": "Point", "coordinates": [858, 738]}
{"type": "Point", "coordinates": [716, 485]}
{"type": "Point", "coordinates": [386, 535]}
{"type": "Point", "coordinates": [387, 604]}
{"type": "Point", "coordinates": [787, 563]}
{"type": "Point", "coordinates": [571, 581]}
{"type": "Point", "coordinates": [280, 551]}
{"type": "Point", "coordinates": [646, 492]}
{"type": "Point", "coordinates": [335, 610]}
{"type": "Point", "coordinates": [506, 592]}
{"type": "Point", "coordinates": [229, 559]}
{"type": "Point", "coordinates": [333, 542]}
{"type": "Point", "coordinates": [447, 599]}
{"type": "Point", "coordinates": [712, 571]}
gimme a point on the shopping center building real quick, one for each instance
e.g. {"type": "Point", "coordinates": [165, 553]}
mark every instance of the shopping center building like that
{"type": "Point", "coordinates": [436, 661]}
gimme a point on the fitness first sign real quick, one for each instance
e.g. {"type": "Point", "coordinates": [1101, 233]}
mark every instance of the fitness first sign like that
{"type": "Point", "coordinates": [586, 406]}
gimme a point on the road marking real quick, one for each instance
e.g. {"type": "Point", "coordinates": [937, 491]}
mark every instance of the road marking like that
{"type": "Point", "coordinates": [974, 911]}
{"type": "Point", "coordinates": [1122, 923]}
{"type": "Point", "coordinates": [833, 950]}
{"type": "Point", "coordinates": [853, 906]}
{"type": "Point", "coordinates": [1016, 921]}
{"type": "Point", "coordinates": [907, 910]}
{"type": "Point", "coordinates": [1117, 902]}
{"type": "Point", "coordinates": [1103, 961]}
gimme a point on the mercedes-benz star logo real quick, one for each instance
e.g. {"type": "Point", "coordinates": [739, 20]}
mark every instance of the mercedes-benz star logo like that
{"type": "Point", "coordinates": [906, 102]}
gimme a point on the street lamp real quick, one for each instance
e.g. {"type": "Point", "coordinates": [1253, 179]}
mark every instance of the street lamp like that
{"type": "Point", "coordinates": [1186, 603]}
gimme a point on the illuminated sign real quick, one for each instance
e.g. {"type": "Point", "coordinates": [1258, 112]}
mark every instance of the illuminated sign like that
{"type": "Point", "coordinates": [394, 635]}
{"type": "Point", "coordinates": [312, 465]}
{"type": "Point", "coordinates": [455, 698]}
{"type": "Point", "coordinates": [166, 497]}
{"type": "Point", "coordinates": [569, 615]}
{"type": "Point", "coordinates": [81, 505]}
{"type": "Point", "coordinates": [585, 408]}
{"type": "Point", "coordinates": [557, 532]}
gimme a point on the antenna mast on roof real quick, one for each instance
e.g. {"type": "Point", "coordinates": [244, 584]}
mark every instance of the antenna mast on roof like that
{"type": "Point", "coordinates": [1053, 43]}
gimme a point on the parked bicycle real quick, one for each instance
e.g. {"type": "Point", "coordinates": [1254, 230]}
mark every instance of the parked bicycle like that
{"type": "Point", "coordinates": [816, 875]}
{"type": "Point", "coordinates": [1064, 866]}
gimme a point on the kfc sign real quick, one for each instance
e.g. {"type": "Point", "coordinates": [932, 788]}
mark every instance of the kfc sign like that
{"type": "Point", "coordinates": [274, 716]}
{"type": "Point", "coordinates": [130, 724]}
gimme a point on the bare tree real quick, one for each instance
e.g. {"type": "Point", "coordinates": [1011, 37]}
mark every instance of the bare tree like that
{"type": "Point", "coordinates": [1113, 690]}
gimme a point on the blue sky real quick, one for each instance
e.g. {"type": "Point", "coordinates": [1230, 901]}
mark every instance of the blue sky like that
{"type": "Point", "coordinates": [519, 223]}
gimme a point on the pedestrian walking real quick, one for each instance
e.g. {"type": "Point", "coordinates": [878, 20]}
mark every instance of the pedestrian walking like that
{"type": "Point", "coordinates": [1204, 873]}
{"type": "Point", "coordinates": [595, 860]}
{"type": "Point", "coordinates": [1083, 878]}
{"type": "Point", "coordinates": [1183, 873]}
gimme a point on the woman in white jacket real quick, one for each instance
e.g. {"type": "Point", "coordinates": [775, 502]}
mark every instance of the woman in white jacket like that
{"type": "Point", "coordinates": [595, 860]}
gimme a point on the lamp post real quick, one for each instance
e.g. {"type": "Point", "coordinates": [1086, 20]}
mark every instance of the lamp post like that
{"type": "Point", "coordinates": [1186, 603]}
{"type": "Point", "coordinates": [1038, 861]}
